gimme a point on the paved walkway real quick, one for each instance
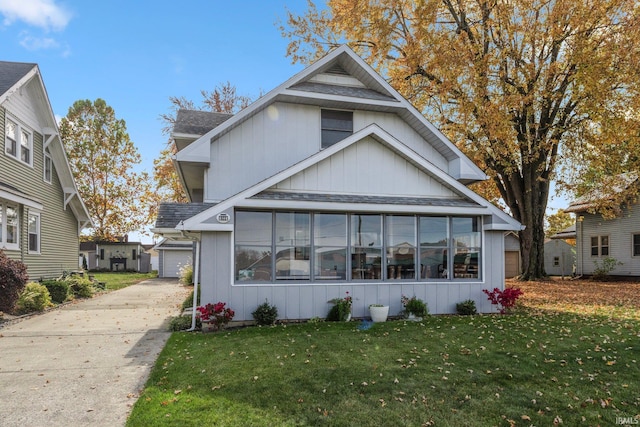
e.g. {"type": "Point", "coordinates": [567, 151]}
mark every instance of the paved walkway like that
{"type": "Point", "coordinates": [84, 364]}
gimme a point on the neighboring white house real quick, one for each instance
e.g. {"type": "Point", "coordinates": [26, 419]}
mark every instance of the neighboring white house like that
{"type": "Point", "coordinates": [559, 257]}
{"type": "Point", "coordinates": [334, 183]}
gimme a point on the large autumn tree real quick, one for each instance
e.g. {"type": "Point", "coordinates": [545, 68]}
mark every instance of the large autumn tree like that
{"type": "Point", "coordinates": [223, 99]}
{"type": "Point", "coordinates": [102, 157]}
{"type": "Point", "coordinates": [523, 87]}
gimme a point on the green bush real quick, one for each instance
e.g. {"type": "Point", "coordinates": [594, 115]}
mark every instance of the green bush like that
{"type": "Point", "coordinates": [13, 278]}
{"type": "Point", "coordinates": [266, 314]}
{"type": "Point", "coordinates": [186, 274]}
{"type": "Point", "coordinates": [466, 308]}
{"type": "Point", "coordinates": [58, 289]}
{"type": "Point", "coordinates": [182, 323]}
{"type": "Point", "coordinates": [34, 297]}
{"type": "Point", "coordinates": [81, 287]}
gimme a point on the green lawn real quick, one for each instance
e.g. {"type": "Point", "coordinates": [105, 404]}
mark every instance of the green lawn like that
{"type": "Point", "coordinates": [115, 281]}
{"type": "Point", "coordinates": [523, 369]}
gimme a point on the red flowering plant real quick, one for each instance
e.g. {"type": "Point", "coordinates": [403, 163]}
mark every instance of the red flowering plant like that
{"type": "Point", "coordinates": [216, 314]}
{"type": "Point", "coordinates": [341, 308]}
{"type": "Point", "coordinates": [506, 299]}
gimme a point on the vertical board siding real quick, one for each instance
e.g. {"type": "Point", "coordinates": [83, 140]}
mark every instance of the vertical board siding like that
{"type": "Point", "coordinates": [378, 173]}
{"type": "Point", "coordinates": [58, 227]}
{"type": "Point", "coordinates": [305, 301]}
{"type": "Point", "coordinates": [284, 134]}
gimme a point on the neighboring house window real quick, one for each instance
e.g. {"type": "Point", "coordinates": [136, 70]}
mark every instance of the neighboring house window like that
{"type": "Point", "coordinates": [600, 246]}
{"type": "Point", "coordinates": [101, 253]}
{"type": "Point", "coordinates": [276, 246]}
{"type": "Point", "coordinates": [18, 142]}
{"type": "Point", "coordinates": [48, 168]}
{"type": "Point", "coordinates": [336, 126]}
{"type": "Point", "coordinates": [9, 226]}
{"type": "Point", "coordinates": [34, 232]}
{"type": "Point", "coordinates": [636, 245]}
{"type": "Point", "coordinates": [133, 254]}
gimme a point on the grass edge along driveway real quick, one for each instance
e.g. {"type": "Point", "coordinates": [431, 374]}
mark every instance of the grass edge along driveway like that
{"type": "Point", "coordinates": [542, 368]}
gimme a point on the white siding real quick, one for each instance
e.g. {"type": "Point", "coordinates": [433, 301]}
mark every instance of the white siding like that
{"type": "Point", "coordinates": [367, 167]}
{"type": "Point", "coordinates": [620, 231]}
{"type": "Point", "coordinates": [397, 127]}
{"type": "Point", "coordinates": [284, 134]}
{"type": "Point", "coordinates": [306, 300]}
{"type": "Point", "coordinates": [263, 145]}
{"type": "Point", "coordinates": [565, 254]}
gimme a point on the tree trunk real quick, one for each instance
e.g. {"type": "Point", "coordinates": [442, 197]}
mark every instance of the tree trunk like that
{"type": "Point", "coordinates": [526, 193]}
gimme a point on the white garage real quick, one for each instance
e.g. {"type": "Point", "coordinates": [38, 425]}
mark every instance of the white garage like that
{"type": "Point", "coordinates": [172, 255]}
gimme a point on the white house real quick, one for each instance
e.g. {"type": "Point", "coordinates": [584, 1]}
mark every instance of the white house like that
{"type": "Point", "coordinates": [334, 183]}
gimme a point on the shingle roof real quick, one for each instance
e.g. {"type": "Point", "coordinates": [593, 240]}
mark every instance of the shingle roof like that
{"type": "Point", "coordinates": [355, 198]}
{"type": "Point", "coordinates": [356, 92]}
{"type": "Point", "coordinates": [610, 186]}
{"type": "Point", "coordinates": [195, 122]}
{"type": "Point", "coordinates": [11, 73]}
{"type": "Point", "coordinates": [170, 214]}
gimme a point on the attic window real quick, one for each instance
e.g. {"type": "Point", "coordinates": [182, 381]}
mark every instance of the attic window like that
{"type": "Point", "coordinates": [336, 126]}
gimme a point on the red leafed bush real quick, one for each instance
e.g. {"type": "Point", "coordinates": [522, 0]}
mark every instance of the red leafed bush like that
{"type": "Point", "coordinates": [505, 300]}
{"type": "Point", "coordinates": [216, 314]}
{"type": "Point", "coordinates": [13, 278]}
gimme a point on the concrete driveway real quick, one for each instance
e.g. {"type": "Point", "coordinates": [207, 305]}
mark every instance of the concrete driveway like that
{"type": "Point", "coordinates": [84, 364]}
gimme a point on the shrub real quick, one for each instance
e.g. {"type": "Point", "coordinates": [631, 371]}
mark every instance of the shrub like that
{"type": "Point", "coordinates": [602, 270]}
{"type": "Point", "coordinates": [414, 306]}
{"type": "Point", "coordinates": [217, 314]}
{"type": "Point", "coordinates": [186, 274]}
{"type": "Point", "coordinates": [13, 278]}
{"type": "Point", "coordinates": [182, 323]}
{"type": "Point", "coordinates": [506, 299]}
{"type": "Point", "coordinates": [265, 314]}
{"type": "Point", "coordinates": [58, 289]}
{"type": "Point", "coordinates": [80, 287]}
{"type": "Point", "coordinates": [466, 308]}
{"type": "Point", "coordinates": [34, 297]}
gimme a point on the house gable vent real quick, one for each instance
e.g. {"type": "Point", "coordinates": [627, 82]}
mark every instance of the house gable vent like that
{"type": "Point", "coordinates": [337, 69]}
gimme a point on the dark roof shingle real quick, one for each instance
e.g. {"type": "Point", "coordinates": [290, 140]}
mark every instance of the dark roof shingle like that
{"type": "Point", "coordinates": [356, 198]}
{"type": "Point", "coordinates": [170, 214]}
{"type": "Point", "coordinates": [195, 122]}
{"type": "Point", "coordinates": [11, 73]}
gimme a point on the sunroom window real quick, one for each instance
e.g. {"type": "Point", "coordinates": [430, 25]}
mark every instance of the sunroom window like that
{"type": "Point", "coordinates": [323, 246]}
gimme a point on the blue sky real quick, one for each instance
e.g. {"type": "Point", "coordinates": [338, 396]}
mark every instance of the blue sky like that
{"type": "Point", "coordinates": [136, 54]}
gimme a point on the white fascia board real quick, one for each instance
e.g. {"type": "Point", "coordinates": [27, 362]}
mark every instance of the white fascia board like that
{"type": "Point", "coordinates": [341, 98]}
{"type": "Point", "coordinates": [199, 153]}
{"type": "Point", "coordinates": [361, 207]}
{"type": "Point", "coordinates": [197, 221]}
{"type": "Point", "coordinates": [12, 197]}
{"type": "Point", "coordinates": [19, 84]}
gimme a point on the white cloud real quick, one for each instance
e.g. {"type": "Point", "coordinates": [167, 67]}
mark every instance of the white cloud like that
{"type": "Point", "coordinates": [45, 14]}
{"type": "Point", "coordinates": [36, 43]}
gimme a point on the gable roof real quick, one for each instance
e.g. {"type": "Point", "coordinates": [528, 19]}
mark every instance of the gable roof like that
{"type": "Point", "coordinates": [255, 196]}
{"type": "Point", "coordinates": [15, 75]}
{"type": "Point", "coordinates": [370, 91]}
{"type": "Point", "coordinates": [613, 185]}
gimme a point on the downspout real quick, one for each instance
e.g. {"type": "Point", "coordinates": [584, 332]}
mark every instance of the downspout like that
{"type": "Point", "coordinates": [196, 280]}
{"type": "Point", "coordinates": [196, 271]}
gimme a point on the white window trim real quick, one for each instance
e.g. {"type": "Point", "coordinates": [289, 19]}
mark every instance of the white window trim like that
{"type": "Point", "coordinates": [19, 129]}
{"type": "Point", "coordinates": [46, 157]}
{"type": "Point", "coordinates": [3, 216]}
{"type": "Point", "coordinates": [39, 233]}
